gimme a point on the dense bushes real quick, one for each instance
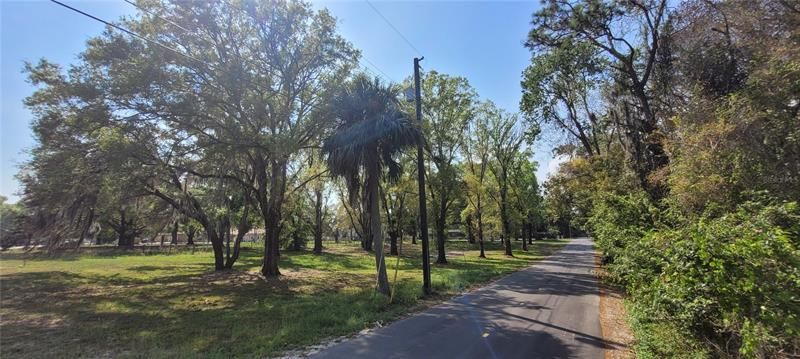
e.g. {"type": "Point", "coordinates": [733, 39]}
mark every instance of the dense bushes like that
{"type": "Point", "coordinates": [620, 220]}
{"type": "Point", "coordinates": [731, 281]}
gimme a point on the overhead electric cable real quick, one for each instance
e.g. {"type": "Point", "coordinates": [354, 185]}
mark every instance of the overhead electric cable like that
{"type": "Point", "coordinates": [394, 28]}
{"type": "Point", "coordinates": [187, 31]}
{"type": "Point", "coordinates": [129, 32]}
{"type": "Point", "coordinates": [389, 78]}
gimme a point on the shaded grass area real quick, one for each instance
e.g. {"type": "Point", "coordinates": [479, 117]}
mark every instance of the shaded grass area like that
{"type": "Point", "coordinates": [132, 304]}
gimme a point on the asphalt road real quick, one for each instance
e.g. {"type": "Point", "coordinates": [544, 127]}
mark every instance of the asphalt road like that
{"type": "Point", "coordinates": [549, 310]}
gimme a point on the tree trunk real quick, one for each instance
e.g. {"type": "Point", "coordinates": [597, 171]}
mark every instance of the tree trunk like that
{"type": "Point", "coordinates": [366, 231]}
{"type": "Point", "coordinates": [190, 237]}
{"type": "Point", "coordinates": [296, 245]}
{"type": "Point", "coordinates": [86, 227]}
{"type": "Point", "coordinates": [225, 235]}
{"type": "Point", "coordinates": [242, 228]}
{"type": "Point", "coordinates": [373, 172]}
{"type": "Point", "coordinates": [121, 240]}
{"type": "Point", "coordinates": [441, 222]}
{"type": "Point", "coordinates": [368, 242]}
{"type": "Point", "coordinates": [441, 257]}
{"type": "Point", "coordinates": [524, 240]}
{"type": "Point", "coordinates": [96, 234]}
{"type": "Point", "coordinates": [470, 232]}
{"type": "Point", "coordinates": [530, 232]}
{"type": "Point", "coordinates": [393, 243]}
{"type": "Point", "coordinates": [507, 243]}
{"type": "Point", "coordinates": [317, 243]}
{"type": "Point", "coordinates": [269, 267]}
{"type": "Point", "coordinates": [318, 221]}
{"type": "Point", "coordinates": [216, 245]}
{"type": "Point", "coordinates": [650, 155]}
{"type": "Point", "coordinates": [125, 237]}
{"type": "Point", "coordinates": [480, 229]}
{"type": "Point", "coordinates": [174, 233]}
{"type": "Point", "coordinates": [236, 250]}
{"type": "Point", "coordinates": [504, 215]}
{"type": "Point", "coordinates": [272, 219]}
{"type": "Point", "coordinates": [368, 236]}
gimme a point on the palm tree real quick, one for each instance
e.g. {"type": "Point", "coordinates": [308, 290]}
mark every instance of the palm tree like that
{"type": "Point", "coordinates": [369, 131]}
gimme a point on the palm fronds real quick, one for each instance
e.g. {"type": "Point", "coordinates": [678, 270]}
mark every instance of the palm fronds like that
{"type": "Point", "coordinates": [369, 123]}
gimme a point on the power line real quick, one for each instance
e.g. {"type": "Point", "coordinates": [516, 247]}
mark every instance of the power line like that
{"type": "Point", "coordinates": [378, 68]}
{"type": "Point", "coordinates": [371, 71]}
{"type": "Point", "coordinates": [187, 31]}
{"type": "Point", "coordinates": [129, 32]}
{"type": "Point", "coordinates": [159, 44]}
{"type": "Point", "coordinates": [156, 15]}
{"type": "Point", "coordinates": [394, 28]}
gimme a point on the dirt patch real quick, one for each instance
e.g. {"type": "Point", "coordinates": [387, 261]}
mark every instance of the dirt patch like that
{"type": "Point", "coordinates": [613, 318]}
{"type": "Point", "coordinates": [235, 277]}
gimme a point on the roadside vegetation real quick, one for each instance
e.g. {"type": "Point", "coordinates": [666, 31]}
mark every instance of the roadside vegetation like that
{"type": "Point", "coordinates": [682, 155]}
{"type": "Point", "coordinates": [123, 303]}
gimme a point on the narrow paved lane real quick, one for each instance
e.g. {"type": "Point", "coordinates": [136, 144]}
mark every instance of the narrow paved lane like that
{"type": "Point", "coordinates": [549, 310]}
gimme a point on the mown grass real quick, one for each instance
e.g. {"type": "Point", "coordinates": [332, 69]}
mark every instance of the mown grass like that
{"type": "Point", "coordinates": [131, 304]}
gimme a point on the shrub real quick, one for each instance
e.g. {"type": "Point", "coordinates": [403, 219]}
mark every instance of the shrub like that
{"type": "Point", "coordinates": [732, 281]}
{"type": "Point", "coordinates": [618, 221]}
{"type": "Point", "coordinates": [735, 279]}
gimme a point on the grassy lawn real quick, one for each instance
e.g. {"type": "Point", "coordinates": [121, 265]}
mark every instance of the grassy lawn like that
{"type": "Point", "coordinates": [132, 304]}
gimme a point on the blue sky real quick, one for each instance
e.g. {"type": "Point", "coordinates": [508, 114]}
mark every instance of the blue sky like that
{"type": "Point", "coordinates": [481, 41]}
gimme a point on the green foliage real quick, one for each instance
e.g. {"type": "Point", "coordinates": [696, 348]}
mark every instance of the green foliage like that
{"type": "Point", "coordinates": [571, 193]}
{"type": "Point", "coordinates": [297, 229]}
{"type": "Point", "coordinates": [506, 139]}
{"type": "Point", "coordinates": [663, 339]}
{"type": "Point", "coordinates": [702, 109]}
{"type": "Point", "coordinates": [557, 89]}
{"type": "Point", "coordinates": [134, 119]}
{"type": "Point", "coordinates": [736, 275]}
{"type": "Point", "coordinates": [448, 106]}
{"type": "Point", "coordinates": [731, 281]}
{"type": "Point", "coordinates": [579, 37]}
{"type": "Point", "coordinates": [370, 133]}
{"type": "Point", "coordinates": [740, 142]}
{"type": "Point", "coordinates": [369, 126]}
{"type": "Point", "coordinates": [618, 222]}
{"type": "Point", "coordinates": [12, 218]}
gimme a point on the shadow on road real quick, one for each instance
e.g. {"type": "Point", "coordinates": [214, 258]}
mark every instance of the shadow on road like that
{"type": "Point", "coordinates": [549, 310]}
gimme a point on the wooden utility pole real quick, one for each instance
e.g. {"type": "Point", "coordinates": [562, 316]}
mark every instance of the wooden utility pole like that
{"type": "Point", "coordinates": [423, 206]}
